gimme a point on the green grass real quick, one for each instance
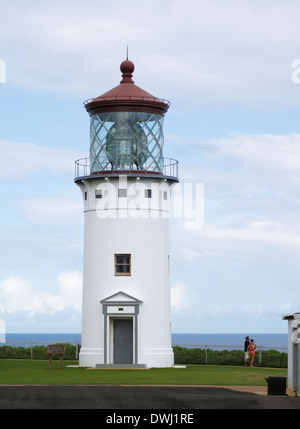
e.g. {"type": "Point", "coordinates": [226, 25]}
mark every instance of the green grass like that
{"type": "Point", "coordinates": [32, 372]}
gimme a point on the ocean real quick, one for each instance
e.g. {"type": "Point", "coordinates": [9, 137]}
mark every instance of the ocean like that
{"type": "Point", "coordinates": [213, 341]}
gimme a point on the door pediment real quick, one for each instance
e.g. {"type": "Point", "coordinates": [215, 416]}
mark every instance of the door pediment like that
{"type": "Point", "coordinates": [120, 298]}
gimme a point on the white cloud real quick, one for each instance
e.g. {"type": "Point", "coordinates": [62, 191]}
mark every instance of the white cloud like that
{"type": "Point", "coordinates": [180, 296]}
{"type": "Point", "coordinates": [45, 210]}
{"type": "Point", "coordinates": [18, 160]}
{"type": "Point", "coordinates": [235, 53]}
{"type": "Point", "coordinates": [269, 153]}
{"type": "Point", "coordinates": [258, 232]}
{"type": "Point", "coordinates": [253, 177]}
{"type": "Point", "coordinates": [18, 295]}
{"type": "Point", "coordinates": [243, 263]}
{"type": "Point", "coordinates": [240, 52]}
{"type": "Point", "coordinates": [70, 289]}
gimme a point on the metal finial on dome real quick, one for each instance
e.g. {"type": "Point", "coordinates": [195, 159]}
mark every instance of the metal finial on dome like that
{"type": "Point", "coordinates": [127, 68]}
{"type": "Point", "coordinates": [126, 97]}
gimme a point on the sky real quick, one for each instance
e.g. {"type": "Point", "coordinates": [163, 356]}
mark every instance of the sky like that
{"type": "Point", "coordinates": [231, 70]}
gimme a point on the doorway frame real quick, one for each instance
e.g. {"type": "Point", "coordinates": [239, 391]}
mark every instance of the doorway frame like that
{"type": "Point", "coordinates": [121, 306]}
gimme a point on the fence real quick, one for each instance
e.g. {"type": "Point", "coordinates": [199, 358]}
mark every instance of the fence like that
{"type": "Point", "coordinates": [208, 354]}
{"type": "Point", "coordinates": [34, 350]}
{"type": "Point", "coordinates": [216, 354]}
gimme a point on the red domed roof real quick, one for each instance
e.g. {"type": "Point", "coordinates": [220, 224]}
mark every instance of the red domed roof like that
{"type": "Point", "coordinates": [126, 97]}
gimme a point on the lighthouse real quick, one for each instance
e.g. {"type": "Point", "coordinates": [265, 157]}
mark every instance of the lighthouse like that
{"type": "Point", "coordinates": [126, 184]}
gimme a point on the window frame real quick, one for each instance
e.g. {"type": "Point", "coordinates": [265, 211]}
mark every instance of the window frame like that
{"type": "Point", "coordinates": [122, 192]}
{"type": "Point", "coordinates": [116, 264]}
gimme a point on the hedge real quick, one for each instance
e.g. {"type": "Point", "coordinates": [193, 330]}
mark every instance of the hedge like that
{"type": "Point", "coordinates": [35, 352]}
{"type": "Point", "coordinates": [269, 358]}
{"type": "Point", "coordinates": [265, 358]}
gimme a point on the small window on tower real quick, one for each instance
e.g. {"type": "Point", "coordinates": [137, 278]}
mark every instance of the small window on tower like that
{"type": "Point", "coordinates": [148, 193]}
{"type": "Point", "coordinates": [98, 193]}
{"type": "Point", "coordinates": [122, 193]}
{"type": "Point", "coordinates": [123, 265]}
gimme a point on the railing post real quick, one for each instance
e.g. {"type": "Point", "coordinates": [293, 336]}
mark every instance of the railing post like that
{"type": "Point", "coordinates": [259, 355]}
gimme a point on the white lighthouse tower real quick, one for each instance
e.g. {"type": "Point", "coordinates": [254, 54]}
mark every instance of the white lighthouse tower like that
{"type": "Point", "coordinates": [126, 184]}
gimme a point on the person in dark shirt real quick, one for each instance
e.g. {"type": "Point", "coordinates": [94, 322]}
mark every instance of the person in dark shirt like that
{"type": "Point", "coordinates": [246, 353]}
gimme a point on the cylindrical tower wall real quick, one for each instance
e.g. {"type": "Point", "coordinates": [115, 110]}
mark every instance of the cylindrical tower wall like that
{"type": "Point", "coordinates": [135, 225]}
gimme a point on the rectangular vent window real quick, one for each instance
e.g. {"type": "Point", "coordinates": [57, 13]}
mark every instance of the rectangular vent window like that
{"type": "Point", "coordinates": [122, 193]}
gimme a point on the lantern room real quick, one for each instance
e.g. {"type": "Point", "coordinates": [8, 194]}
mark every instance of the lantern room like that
{"type": "Point", "coordinates": [126, 128]}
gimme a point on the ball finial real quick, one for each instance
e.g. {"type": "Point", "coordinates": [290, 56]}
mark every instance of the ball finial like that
{"type": "Point", "coordinates": [127, 68]}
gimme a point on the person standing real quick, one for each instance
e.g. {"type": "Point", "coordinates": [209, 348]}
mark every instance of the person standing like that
{"type": "Point", "coordinates": [246, 352]}
{"type": "Point", "coordinates": [251, 349]}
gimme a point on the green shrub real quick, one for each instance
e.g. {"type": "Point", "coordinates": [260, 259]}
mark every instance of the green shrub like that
{"type": "Point", "coordinates": [35, 352]}
{"type": "Point", "coordinates": [269, 358]}
{"type": "Point", "coordinates": [274, 359]}
{"type": "Point", "coordinates": [182, 355]}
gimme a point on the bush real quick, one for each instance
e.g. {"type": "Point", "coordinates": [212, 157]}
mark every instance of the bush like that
{"type": "Point", "coordinates": [269, 358]}
{"type": "Point", "coordinates": [274, 359]}
{"type": "Point", "coordinates": [182, 355]}
{"type": "Point", "coordinates": [35, 352]}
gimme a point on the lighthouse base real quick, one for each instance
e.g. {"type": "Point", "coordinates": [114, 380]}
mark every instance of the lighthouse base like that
{"type": "Point", "coordinates": [152, 358]}
{"type": "Point", "coordinates": [157, 358]}
{"type": "Point", "coordinates": [120, 366]}
{"type": "Point", "coordinates": [90, 357]}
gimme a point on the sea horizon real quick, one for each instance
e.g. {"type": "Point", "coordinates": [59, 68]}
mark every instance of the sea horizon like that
{"type": "Point", "coordinates": [216, 341]}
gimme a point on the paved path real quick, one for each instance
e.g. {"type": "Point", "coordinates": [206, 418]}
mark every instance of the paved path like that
{"type": "Point", "coordinates": [142, 398]}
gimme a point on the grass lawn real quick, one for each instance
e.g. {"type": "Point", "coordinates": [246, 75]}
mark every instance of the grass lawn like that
{"type": "Point", "coordinates": [34, 372]}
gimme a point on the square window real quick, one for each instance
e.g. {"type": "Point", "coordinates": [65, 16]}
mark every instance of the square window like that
{"type": "Point", "coordinates": [122, 193]}
{"type": "Point", "coordinates": [98, 193]}
{"type": "Point", "coordinates": [123, 265]}
{"type": "Point", "coordinates": [148, 193]}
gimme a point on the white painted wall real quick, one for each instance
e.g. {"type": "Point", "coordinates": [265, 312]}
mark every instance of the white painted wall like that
{"type": "Point", "coordinates": [138, 226]}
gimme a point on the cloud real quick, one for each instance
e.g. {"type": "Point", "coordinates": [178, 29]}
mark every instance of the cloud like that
{"type": "Point", "coordinates": [243, 263]}
{"type": "Point", "coordinates": [247, 175]}
{"type": "Point", "coordinates": [19, 160]}
{"type": "Point", "coordinates": [18, 295]}
{"type": "Point", "coordinates": [233, 54]}
{"type": "Point", "coordinates": [48, 210]}
{"type": "Point", "coordinates": [270, 153]}
{"type": "Point", "coordinates": [238, 52]}
{"type": "Point", "coordinates": [180, 296]}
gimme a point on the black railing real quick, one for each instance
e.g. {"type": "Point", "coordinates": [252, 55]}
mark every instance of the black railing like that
{"type": "Point", "coordinates": [83, 169]}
